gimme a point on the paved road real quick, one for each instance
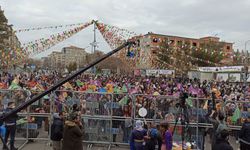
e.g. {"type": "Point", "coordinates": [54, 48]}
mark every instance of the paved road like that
{"type": "Point", "coordinates": [43, 145]}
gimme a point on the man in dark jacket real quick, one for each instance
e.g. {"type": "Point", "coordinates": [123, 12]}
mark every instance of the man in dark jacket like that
{"type": "Point", "coordinates": [72, 133]}
{"type": "Point", "coordinates": [57, 131]}
{"type": "Point", "coordinates": [218, 126]}
{"type": "Point", "coordinates": [245, 135]}
{"type": "Point", "coordinates": [10, 125]}
{"type": "Point", "coordinates": [153, 138]}
{"type": "Point", "coordinates": [222, 142]}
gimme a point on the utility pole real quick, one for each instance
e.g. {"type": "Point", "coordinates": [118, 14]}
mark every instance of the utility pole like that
{"type": "Point", "coordinates": [94, 45]}
{"type": "Point", "coordinates": [246, 72]}
{"type": "Point", "coordinates": [246, 44]}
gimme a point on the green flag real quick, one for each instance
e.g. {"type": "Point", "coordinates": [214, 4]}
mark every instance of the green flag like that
{"type": "Point", "coordinates": [124, 100]}
{"type": "Point", "coordinates": [14, 86]}
{"type": "Point", "coordinates": [116, 89]}
{"type": "Point", "coordinates": [79, 83]}
{"type": "Point", "coordinates": [21, 121]}
{"type": "Point", "coordinates": [124, 89]}
{"type": "Point", "coordinates": [236, 115]}
{"type": "Point", "coordinates": [189, 101]}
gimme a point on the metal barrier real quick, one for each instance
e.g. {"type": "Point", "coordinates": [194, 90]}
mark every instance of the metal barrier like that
{"type": "Point", "coordinates": [109, 118]}
{"type": "Point", "coordinates": [32, 123]}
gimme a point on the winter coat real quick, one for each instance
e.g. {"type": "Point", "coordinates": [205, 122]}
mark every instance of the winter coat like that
{"type": "Point", "coordinates": [222, 145]}
{"type": "Point", "coordinates": [72, 137]}
{"type": "Point", "coordinates": [11, 120]}
{"type": "Point", "coordinates": [57, 130]}
{"type": "Point", "coordinates": [245, 133]}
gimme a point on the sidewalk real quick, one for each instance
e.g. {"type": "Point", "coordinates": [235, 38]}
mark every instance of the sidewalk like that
{"type": "Point", "coordinates": [44, 145]}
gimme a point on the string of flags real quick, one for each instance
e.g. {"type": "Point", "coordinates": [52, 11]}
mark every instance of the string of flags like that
{"type": "Point", "coordinates": [162, 62]}
{"type": "Point", "coordinates": [113, 35]}
{"type": "Point", "coordinates": [11, 57]}
{"type": "Point", "coordinates": [192, 58]}
{"type": "Point", "coordinates": [43, 44]}
{"type": "Point", "coordinates": [47, 27]}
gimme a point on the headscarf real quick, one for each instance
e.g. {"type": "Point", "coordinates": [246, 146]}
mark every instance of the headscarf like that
{"type": "Point", "coordinates": [138, 125]}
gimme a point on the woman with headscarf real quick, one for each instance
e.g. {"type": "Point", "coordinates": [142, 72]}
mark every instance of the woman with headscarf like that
{"type": "Point", "coordinates": [137, 136]}
{"type": "Point", "coordinates": [167, 142]}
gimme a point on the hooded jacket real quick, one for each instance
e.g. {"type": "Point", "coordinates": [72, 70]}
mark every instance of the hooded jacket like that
{"type": "Point", "coordinates": [72, 136]}
{"type": "Point", "coordinates": [11, 120]}
{"type": "Point", "coordinates": [245, 133]}
{"type": "Point", "coordinates": [222, 144]}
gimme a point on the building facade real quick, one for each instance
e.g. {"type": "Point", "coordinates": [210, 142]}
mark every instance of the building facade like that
{"type": "Point", "coordinates": [151, 42]}
{"type": "Point", "coordinates": [68, 55]}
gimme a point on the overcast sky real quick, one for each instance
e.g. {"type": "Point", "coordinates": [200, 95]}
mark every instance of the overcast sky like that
{"type": "Point", "coordinates": [228, 19]}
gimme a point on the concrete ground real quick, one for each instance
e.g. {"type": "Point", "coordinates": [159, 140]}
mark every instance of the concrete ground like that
{"type": "Point", "coordinates": [44, 145]}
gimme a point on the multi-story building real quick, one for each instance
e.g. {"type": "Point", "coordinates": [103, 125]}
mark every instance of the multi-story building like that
{"type": "Point", "coordinates": [73, 54]}
{"type": "Point", "coordinates": [68, 55]}
{"type": "Point", "coordinates": [151, 42]}
{"type": "Point", "coordinates": [55, 60]}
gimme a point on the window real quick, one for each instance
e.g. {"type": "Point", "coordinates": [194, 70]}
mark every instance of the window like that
{"type": "Point", "coordinates": [154, 52]}
{"type": "Point", "coordinates": [228, 47]}
{"type": "Point", "coordinates": [155, 40]}
{"type": "Point", "coordinates": [194, 44]}
{"type": "Point", "coordinates": [171, 42]}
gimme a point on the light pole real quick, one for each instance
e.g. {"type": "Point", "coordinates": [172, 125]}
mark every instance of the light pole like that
{"type": "Point", "coordinates": [94, 45]}
{"type": "Point", "coordinates": [246, 44]}
{"type": "Point", "coordinates": [246, 70]}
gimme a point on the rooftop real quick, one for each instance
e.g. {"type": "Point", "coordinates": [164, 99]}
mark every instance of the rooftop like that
{"type": "Point", "coordinates": [74, 47]}
{"type": "Point", "coordinates": [202, 38]}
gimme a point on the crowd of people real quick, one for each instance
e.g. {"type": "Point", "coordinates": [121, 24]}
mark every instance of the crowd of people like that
{"type": "Point", "coordinates": [125, 84]}
{"type": "Point", "coordinates": [119, 88]}
{"type": "Point", "coordinates": [123, 96]}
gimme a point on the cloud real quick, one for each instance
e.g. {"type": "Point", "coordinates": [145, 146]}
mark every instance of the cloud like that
{"type": "Point", "coordinates": [189, 18]}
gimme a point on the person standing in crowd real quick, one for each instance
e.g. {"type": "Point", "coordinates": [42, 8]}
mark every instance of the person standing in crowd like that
{"type": "Point", "coordinates": [116, 123]}
{"type": "Point", "coordinates": [222, 142]}
{"type": "Point", "coordinates": [10, 125]}
{"type": "Point", "coordinates": [153, 138]}
{"type": "Point", "coordinates": [167, 142]}
{"type": "Point", "coordinates": [57, 131]}
{"type": "Point", "coordinates": [72, 133]}
{"type": "Point", "coordinates": [244, 135]}
{"type": "Point", "coordinates": [75, 109]}
{"type": "Point", "coordinates": [219, 124]}
{"type": "Point", "coordinates": [137, 136]}
{"type": "Point", "coordinates": [127, 126]}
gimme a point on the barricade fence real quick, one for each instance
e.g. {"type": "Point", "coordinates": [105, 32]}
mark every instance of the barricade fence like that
{"type": "Point", "coordinates": [109, 118]}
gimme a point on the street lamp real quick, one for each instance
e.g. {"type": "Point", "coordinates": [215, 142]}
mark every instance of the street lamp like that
{"type": "Point", "coordinates": [246, 44]}
{"type": "Point", "coordinates": [246, 71]}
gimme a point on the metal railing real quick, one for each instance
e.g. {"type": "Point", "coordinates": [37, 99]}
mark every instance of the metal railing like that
{"type": "Point", "coordinates": [109, 118]}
